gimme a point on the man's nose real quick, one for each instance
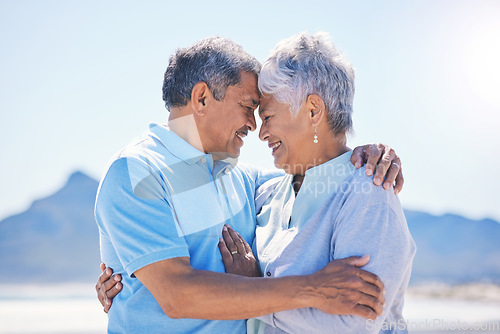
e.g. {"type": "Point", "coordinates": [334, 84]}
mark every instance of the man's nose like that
{"type": "Point", "coordinates": [251, 123]}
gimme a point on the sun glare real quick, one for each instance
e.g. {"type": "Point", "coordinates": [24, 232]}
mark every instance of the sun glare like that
{"type": "Point", "coordinates": [482, 65]}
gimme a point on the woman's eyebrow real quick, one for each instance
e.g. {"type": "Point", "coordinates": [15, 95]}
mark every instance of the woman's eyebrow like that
{"type": "Point", "coordinates": [261, 111]}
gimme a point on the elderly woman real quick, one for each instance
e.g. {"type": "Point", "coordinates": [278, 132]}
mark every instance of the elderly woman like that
{"type": "Point", "coordinates": [324, 208]}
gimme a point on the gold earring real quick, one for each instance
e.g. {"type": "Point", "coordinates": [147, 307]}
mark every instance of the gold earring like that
{"type": "Point", "coordinates": [315, 136]}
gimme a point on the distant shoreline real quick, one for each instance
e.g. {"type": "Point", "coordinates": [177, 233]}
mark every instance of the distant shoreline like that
{"type": "Point", "coordinates": [487, 292]}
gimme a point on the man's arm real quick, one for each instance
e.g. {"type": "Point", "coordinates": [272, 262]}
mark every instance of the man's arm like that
{"type": "Point", "coordinates": [184, 292]}
{"type": "Point", "coordinates": [340, 288]}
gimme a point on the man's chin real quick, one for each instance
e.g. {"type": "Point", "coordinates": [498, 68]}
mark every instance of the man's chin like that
{"type": "Point", "coordinates": [235, 152]}
{"type": "Point", "coordinates": [234, 155]}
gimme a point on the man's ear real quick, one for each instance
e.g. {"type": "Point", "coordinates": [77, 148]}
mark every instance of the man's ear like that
{"type": "Point", "coordinates": [316, 106]}
{"type": "Point", "coordinates": [200, 94]}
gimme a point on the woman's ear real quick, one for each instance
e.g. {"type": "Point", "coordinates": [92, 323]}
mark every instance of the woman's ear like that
{"type": "Point", "coordinates": [316, 106]}
{"type": "Point", "coordinates": [200, 94]}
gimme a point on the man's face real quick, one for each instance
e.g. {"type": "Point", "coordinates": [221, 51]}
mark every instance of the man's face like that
{"type": "Point", "coordinates": [232, 118]}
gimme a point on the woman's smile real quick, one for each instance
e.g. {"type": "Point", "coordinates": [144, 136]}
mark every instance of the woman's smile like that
{"type": "Point", "coordinates": [274, 146]}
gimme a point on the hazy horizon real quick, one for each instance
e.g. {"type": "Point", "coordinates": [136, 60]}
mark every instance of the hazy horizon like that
{"type": "Point", "coordinates": [97, 179]}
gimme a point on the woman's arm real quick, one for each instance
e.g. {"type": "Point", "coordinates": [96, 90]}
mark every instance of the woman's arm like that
{"type": "Point", "coordinates": [237, 254]}
{"type": "Point", "coordinates": [107, 287]}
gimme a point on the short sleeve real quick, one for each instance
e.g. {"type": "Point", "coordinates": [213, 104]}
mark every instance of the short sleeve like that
{"type": "Point", "coordinates": [132, 211]}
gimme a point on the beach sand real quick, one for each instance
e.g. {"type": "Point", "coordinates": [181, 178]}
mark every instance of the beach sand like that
{"type": "Point", "coordinates": [75, 309]}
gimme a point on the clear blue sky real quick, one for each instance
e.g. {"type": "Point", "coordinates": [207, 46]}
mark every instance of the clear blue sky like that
{"type": "Point", "coordinates": [80, 79]}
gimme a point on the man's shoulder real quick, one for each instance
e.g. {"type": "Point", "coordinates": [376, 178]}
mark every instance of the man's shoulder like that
{"type": "Point", "coordinates": [145, 149]}
{"type": "Point", "coordinates": [253, 172]}
{"type": "Point", "coordinates": [141, 147]}
{"type": "Point", "coordinates": [134, 161]}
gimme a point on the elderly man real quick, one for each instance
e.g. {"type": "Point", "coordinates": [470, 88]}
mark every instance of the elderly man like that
{"type": "Point", "coordinates": [165, 198]}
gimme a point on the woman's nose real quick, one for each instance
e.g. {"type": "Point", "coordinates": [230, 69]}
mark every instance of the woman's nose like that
{"type": "Point", "coordinates": [263, 134]}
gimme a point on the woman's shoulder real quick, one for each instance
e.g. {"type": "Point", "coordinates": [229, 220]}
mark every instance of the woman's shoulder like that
{"type": "Point", "coordinates": [360, 188]}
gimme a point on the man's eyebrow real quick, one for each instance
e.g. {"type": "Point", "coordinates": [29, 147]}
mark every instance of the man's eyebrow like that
{"type": "Point", "coordinates": [254, 103]}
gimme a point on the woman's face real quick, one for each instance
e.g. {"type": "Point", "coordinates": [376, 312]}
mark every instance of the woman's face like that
{"type": "Point", "coordinates": [289, 137]}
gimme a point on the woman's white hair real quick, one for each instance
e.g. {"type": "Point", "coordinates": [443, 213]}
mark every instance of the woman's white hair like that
{"type": "Point", "coordinates": [307, 64]}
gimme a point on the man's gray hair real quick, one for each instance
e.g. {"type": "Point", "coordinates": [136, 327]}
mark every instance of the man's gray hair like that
{"type": "Point", "coordinates": [217, 61]}
{"type": "Point", "coordinates": [307, 64]}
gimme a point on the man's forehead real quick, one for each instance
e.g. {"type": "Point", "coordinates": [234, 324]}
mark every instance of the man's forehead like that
{"type": "Point", "coordinates": [244, 95]}
{"type": "Point", "coordinates": [248, 90]}
{"type": "Point", "coordinates": [249, 95]}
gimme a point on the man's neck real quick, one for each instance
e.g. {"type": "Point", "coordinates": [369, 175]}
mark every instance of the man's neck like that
{"type": "Point", "coordinates": [184, 125]}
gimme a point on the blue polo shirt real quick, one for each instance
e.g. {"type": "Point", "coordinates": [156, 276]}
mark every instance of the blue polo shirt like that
{"type": "Point", "coordinates": [162, 198]}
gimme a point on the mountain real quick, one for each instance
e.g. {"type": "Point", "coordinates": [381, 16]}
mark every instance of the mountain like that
{"type": "Point", "coordinates": [454, 249]}
{"type": "Point", "coordinates": [56, 240]}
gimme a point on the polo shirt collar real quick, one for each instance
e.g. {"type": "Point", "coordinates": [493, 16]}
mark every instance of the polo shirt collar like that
{"type": "Point", "coordinates": [176, 145]}
{"type": "Point", "coordinates": [225, 166]}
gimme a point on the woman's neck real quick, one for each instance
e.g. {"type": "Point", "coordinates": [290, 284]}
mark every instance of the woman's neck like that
{"type": "Point", "coordinates": [329, 147]}
{"type": "Point", "coordinates": [321, 154]}
{"type": "Point", "coordinates": [297, 183]}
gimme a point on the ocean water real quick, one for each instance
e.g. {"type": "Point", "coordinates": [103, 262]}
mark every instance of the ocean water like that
{"type": "Point", "coordinates": [75, 309]}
